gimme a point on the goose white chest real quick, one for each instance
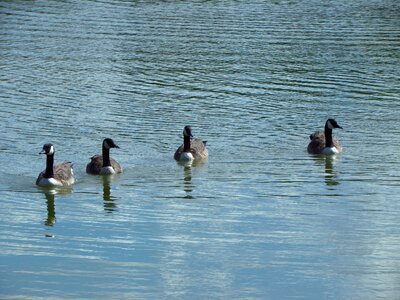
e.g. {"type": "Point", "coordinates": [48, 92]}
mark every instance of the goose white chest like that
{"type": "Point", "coordinates": [186, 156]}
{"type": "Point", "coordinates": [49, 182]}
{"type": "Point", "coordinates": [107, 171]}
{"type": "Point", "coordinates": [330, 150]}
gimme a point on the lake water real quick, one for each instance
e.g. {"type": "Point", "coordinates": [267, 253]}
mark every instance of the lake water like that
{"type": "Point", "coordinates": [261, 218]}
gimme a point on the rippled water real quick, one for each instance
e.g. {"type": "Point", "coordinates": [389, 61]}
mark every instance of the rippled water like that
{"type": "Point", "coordinates": [261, 219]}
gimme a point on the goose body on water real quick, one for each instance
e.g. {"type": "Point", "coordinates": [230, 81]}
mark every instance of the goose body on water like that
{"type": "Point", "coordinates": [191, 149]}
{"type": "Point", "coordinates": [60, 174]}
{"type": "Point", "coordinates": [322, 142]}
{"type": "Point", "coordinates": [104, 164]}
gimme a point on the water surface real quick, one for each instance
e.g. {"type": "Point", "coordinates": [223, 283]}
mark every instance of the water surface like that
{"type": "Point", "coordinates": [260, 219]}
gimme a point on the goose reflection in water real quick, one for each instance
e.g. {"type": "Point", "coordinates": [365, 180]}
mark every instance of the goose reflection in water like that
{"type": "Point", "coordinates": [331, 176]}
{"type": "Point", "coordinates": [51, 209]}
{"type": "Point", "coordinates": [50, 195]}
{"type": "Point", "coordinates": [109, 201]}
{"type": "Point", "coordinates": [187, 181]}
{"type": "Point", "coordinates": [188, 168]}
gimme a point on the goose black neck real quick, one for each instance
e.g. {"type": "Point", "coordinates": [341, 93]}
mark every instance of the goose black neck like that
{"type": "Point", "coordinates": [106, 157]}
{"type": "Point", "coordinates": [186, 143]}
{"type": "Point", "coordinates": [328, 137]}
{"type": "Point", "coordinates": [49, 173]}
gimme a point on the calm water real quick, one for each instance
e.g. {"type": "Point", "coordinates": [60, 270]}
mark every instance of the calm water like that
{"type": "Point", "coordinates": [261, 219]}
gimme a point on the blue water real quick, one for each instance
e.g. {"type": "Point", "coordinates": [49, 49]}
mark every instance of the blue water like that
{"type": "Point", "coordinates": [261, 218]}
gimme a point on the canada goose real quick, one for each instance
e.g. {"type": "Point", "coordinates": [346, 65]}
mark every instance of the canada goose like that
{"type": "Point", "coordinates": [103, 164]}
{"type": "Point", "coordinates": [190, 149]}
{"type": "Point", "coordinates": [324, 142]}
{"type": "Point", "coordinates": [60, 174]}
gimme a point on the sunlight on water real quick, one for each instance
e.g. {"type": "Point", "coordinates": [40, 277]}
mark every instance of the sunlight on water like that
{"type": "Point", "coordinates": [261, 218]}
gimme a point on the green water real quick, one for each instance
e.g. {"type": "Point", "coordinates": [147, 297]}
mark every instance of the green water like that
{"type": "Point", "coordinates": [261, 218]}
